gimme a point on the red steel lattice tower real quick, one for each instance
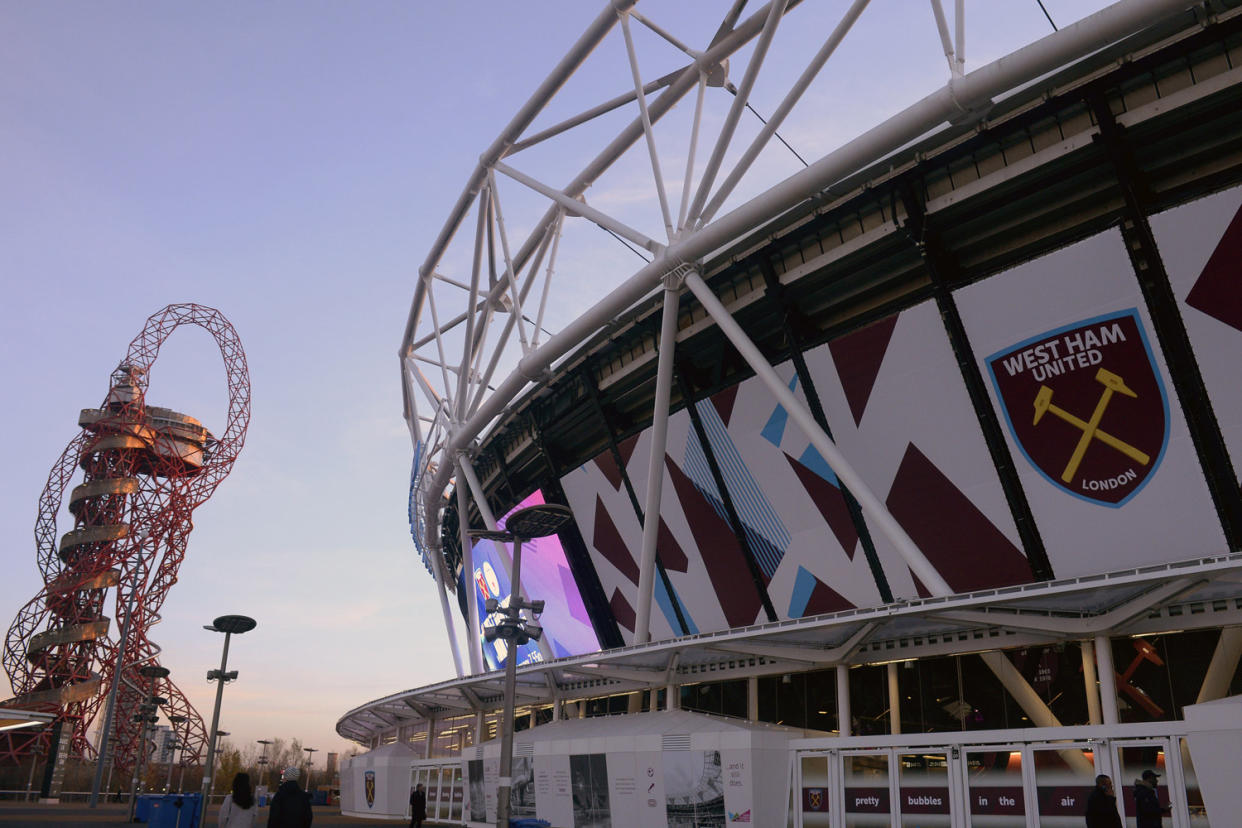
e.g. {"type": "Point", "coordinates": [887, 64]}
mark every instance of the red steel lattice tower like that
{"type": "Point", "coordinates": [145, 470]}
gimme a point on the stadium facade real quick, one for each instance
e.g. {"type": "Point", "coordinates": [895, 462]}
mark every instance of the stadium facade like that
{"type": "Point", "coordinates": [932, 510]}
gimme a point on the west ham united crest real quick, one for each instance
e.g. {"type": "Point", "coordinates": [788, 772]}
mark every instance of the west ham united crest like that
{"type": "Point", "coordinates": [368, 785]}
{"type": "Point", "coordinates": [1086, 405]}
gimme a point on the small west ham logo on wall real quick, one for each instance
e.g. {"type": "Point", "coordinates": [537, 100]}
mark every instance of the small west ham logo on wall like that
{"type": "Point", "coordinates": [368, 785]}
{"type": "Point", "coordinates": [1086, 405]}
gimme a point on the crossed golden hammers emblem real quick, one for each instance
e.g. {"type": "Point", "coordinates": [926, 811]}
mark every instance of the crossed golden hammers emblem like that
{"type": "Point", "coordinates": [1113, 384]}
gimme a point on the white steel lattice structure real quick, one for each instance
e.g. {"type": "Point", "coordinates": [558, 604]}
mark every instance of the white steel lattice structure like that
{"type": "Point", "coordinates": [476, 338]}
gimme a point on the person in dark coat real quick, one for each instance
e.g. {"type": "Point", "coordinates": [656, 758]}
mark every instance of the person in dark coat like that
{"type": "Point", "coordinates": [291, 806]}
{"type": "Point", "coordinates": [1102, 804]}
{"type": "Point", "coordinates": [418, 806]}
{"type": "Point", "coordinates": [1149, 812]}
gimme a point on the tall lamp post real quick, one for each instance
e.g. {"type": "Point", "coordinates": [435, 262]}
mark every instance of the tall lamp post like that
{"type": "Point", "coordinates": [229, 625]}
{"type": "Point", "coordinates": [106, 737]}
{"type": "Point", "coordinates": [537, 521]}
{"type": "Point", "coordinates": [263, 760]}
{"type": "Point", "coordinates": [309, 761]}
{"type": "Point", "coordinates": [172, 744]}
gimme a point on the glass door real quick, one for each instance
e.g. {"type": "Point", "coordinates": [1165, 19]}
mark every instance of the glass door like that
{"type": "Point", "coordinates": [923, 788]}
{"type": "Point", "coordinates": [1135, 757]}
{"type": "Point", "coordinates": [867, 802]}
{"type": "Point", "coordinates": [995, 792]}
{"type": "Point", "coordinates": [1064, 776]}
{"type": "Point", "coordinates": [815, 783]}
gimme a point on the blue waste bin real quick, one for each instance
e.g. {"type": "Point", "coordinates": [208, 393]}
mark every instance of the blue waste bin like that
{"type": "Point", "coordinates": [529, 823]}
{"type": "Point", "coordinates": [175, 811]}
{"type": "Point", "coordinates": [142, 808]}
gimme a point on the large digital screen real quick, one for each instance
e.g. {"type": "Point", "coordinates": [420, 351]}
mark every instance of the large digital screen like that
{"type": "Point", "coordinates": [545, 574]}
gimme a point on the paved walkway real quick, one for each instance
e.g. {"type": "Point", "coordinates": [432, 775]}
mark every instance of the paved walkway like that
{"type": "Point", "coordinates": [78, 815]}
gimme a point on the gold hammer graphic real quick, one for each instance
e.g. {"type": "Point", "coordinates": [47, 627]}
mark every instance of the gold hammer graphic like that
{"type": "Point", "coordinates": [1090, 429]}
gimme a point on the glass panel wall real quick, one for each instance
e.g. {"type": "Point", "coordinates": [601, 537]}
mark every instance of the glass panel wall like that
{"type": "Point", "coordinates": [924, 789]}
{"type": "Point", "coordinates": [866, 802]}
{"type": "Point", "coordinates": [1063, 779]}
{"type": "Point", "coordinates": [816, 798]}
{"type": "Point", "coordinates": [994, 788]}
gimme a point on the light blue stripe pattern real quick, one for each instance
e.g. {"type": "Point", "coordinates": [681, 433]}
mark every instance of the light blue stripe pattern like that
{"type": "Point", "coordinates": [752, 505]}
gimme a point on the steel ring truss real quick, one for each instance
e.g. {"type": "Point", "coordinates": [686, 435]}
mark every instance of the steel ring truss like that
{"type": "Point", "coordinates": [146, 469]}
{"type": "Point", "coordinates": [461, 329]}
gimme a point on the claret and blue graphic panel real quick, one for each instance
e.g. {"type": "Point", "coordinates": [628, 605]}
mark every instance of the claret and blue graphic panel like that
{"type": "Point", "coordinates": [567, 629]}
{"type": "Point", "coordinates": [1071, 366]}
{"type": "Point", "coordinates": [1201, 246]}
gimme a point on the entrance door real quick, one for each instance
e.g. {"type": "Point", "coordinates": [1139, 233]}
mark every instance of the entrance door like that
{"type": "Point", "coordinates": [923, 787]}
{"type": "Point", "coordinates": [816, 786]}
{"type": "Point", "coordinates": [1135, 756]}
{"type": "Point", "coordinates": [866, 777]}
{"type": "Point", "coordinates": [1064, 776]}
{"type": "Point", "coordinates": [995, 788]}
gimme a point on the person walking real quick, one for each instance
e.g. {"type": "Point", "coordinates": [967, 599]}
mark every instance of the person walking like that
{"type": "Point", "coordinates": [291, 807]}
{"type": "Point", "coordinates": [1148, 811]}
{"type": "Point", "coordinates": [238, 810]}
{"type": "Point", "coordinates": [418, 806]}
{"type": "Point", "coordinates": [1102, 804]}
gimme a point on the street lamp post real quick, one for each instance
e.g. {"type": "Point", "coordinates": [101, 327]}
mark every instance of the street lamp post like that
{"type": "Point", "coordinates": [105, 748]}
{"type": "Point", "coordinates": [146, 717]}
{"type": "Point", "coordinates": [263, 761]}
{"type": "Point", "coordinates": [220, 734]}
{"type": "Point", "coordinates": [523, 525]}
{"type": "Point", "coordinates": [172, 745]}
{"type": "Point", "coordinates": [227, 624]}
{"type": "Point", "coordinates": [309, 761]}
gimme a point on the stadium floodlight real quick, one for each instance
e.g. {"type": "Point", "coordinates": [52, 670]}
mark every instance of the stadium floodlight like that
{"type": "Point", "coordinates": [537, 521]}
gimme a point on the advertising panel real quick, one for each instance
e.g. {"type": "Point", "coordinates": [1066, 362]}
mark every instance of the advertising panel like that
{"type": "Point", "coordinates": [897, 407]}
{"type": "Point", "coordinates": [1081, 387]}
{"type": "Point", "coordinates": [553, 794]}
{"type": "Point", "coordinates": [1201, 246]}
{"type": "Point", "coordinates": [567, 629]}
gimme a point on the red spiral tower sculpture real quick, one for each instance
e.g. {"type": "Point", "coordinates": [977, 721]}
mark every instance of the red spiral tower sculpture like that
{"type": "Point", "coordinates": [145, 471]}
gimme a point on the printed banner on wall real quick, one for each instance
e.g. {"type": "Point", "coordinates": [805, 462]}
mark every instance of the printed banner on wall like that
{"type": "Point", "coordinates": [1201, 246]}
{"type": "Point", "coordinates": [1100, 445]}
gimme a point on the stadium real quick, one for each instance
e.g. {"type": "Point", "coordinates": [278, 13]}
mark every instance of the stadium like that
{"type": "Point", "coordinates": [903, 479]}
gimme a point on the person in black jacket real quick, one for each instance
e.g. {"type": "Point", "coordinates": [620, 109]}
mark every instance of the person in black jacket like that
{"type": "Point", "coordinates": [291, 806]}
{"type": "Point", "coordinates": [418, 806]}
{"type": "Point", "coordinates": [1147, 808]}
{"type": "Point", "coordinates": [1102, 804]}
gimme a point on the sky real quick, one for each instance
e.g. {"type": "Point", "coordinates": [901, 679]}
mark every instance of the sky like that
{"type": "Point", "coordinates": [290, 165]}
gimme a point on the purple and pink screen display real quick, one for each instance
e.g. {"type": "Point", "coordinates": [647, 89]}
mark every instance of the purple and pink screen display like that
{"type": "Point", "coordinates": [545, 575]}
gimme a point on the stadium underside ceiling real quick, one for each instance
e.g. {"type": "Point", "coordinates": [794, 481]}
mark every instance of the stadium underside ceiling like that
{"type": "Point", "coordinates": [1153, 600]}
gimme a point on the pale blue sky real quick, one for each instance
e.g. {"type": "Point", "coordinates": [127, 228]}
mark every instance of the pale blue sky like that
{"type": "Point", "coordinates": [290, 164]}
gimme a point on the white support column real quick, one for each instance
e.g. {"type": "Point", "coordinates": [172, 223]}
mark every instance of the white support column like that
{"type": "Point", "coordinates": [874, 509]}
{"type": "Point", "coordinates": [1223, 665]}
{"type": "Point", "coordinates": [655, 472]}
{"type": "Point", "coordinates": [894, 699]}
{"type": "Point", "coordinates": [844, 716]}
{"type": "Point", "coordinates": [1091, 683]}
{"type": "Point", "coordinates": [1107, 674]}
{"type": "Point", "coordinates": [672, 697]}
{"type": "Point", "coordinates": [480, 730]}
{"type": "Point", "coordinates": [752, 699]}
{"type": "Point", "coordinates": [474, 632]}
{"type": "Point", "coordinates": [431, 737]}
